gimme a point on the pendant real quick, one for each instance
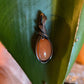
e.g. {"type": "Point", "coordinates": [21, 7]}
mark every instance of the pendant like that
{"type": "Point", "coordinates": [43, 46]}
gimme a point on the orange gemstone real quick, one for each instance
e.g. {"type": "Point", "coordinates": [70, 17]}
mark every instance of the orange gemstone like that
{"type": "Point", "coordinates": [43, 49]}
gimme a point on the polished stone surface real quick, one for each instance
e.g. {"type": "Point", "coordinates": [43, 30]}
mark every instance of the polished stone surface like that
{"type": "Point", "coordinates": [43, 49]}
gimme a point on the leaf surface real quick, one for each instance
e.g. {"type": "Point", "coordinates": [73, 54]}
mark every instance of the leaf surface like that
{"type": "Point", "coordinates": [18, 24]}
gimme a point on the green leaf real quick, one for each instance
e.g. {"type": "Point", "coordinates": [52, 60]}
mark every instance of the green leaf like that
{"type": "Point", "coordinates": [80, 41]}
{"type": "Point", "coordinates": [18, 23]}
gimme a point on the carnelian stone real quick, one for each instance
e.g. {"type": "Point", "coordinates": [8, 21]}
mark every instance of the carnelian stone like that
{"type": "Point", "coordinates": [43, 49]}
